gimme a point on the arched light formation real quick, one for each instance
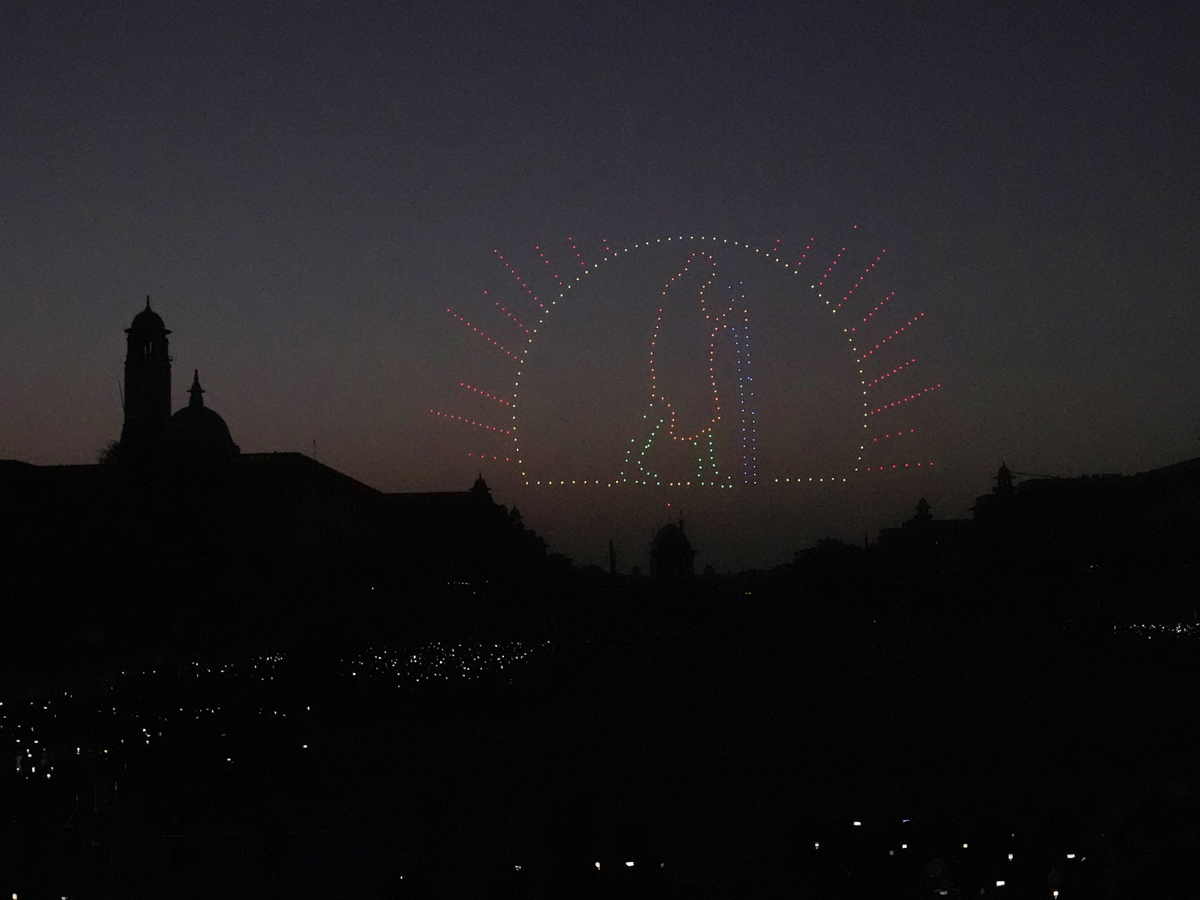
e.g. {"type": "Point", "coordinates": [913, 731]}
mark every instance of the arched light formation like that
{"type": "Point", "coordinates": [662, 425]}
{"type": "Point", "coordinates": [702, 439]}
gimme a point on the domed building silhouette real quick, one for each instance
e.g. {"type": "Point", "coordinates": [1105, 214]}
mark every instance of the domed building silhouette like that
{"type": "Point", "coordinates": [175, 514]}
{"type": "Point", "coordinates": [197, 436]}
{"type": "Point", "coordinates": [671, 555]}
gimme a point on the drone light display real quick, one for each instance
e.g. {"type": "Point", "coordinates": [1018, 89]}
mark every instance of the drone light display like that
{"type": "Point", "coordinates": [720, 432]}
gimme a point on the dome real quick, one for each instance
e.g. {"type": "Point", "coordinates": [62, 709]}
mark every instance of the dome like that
{"type": "Point", "coordinates": [198, 430]}
{"type": "Point", "coordinates": [671, 539]}
{"type": "Point", "coordinates": [198, 435]}
{"type": "Point", "coordinates": [671, 553]}
{"type": "Point", "coordinates": [147, 320]}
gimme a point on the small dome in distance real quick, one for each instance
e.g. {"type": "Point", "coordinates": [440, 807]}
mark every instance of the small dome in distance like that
{"type": "Point", "coordinates": [671, 553]}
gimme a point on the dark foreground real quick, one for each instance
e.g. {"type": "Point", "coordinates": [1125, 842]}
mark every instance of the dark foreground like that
{"type": "Point", "coordinates": [725, 750]}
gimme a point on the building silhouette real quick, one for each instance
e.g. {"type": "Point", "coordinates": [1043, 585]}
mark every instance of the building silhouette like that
{"type": "Point", "coordinates": [671, 555]}
{"type": "Point", "coordinates": [178, 521]}
{"type": "Point", "coordinates": [925, 545]}
{"type": "Point", "coordinates": [147, 395]}
{"type": "Point", "coordinates": [1095, 522]}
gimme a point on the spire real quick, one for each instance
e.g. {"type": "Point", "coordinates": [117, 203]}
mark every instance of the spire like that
{"type": "Point", "coordinates": [1004, 480]}
{"type": "Point", "coordinates": [147, 301]}
{"type": "Point", "coordinates": [923, 516]}
{"type": "Point", "coordinates": [196, 391]}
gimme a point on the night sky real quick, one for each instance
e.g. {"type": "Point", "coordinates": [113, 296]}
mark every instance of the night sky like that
{"type": "Point", "coordinates": [305, 189]}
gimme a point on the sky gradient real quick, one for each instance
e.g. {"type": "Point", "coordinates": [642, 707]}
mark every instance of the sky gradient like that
{"type": "Point", "coordinates": [304, 189]}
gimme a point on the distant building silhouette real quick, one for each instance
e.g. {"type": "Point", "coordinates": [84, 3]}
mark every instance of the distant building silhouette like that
{"type": "Point", "coordinates": [1095, 521]}
{"type": "Point", "coordinates": [180, 510]}
{"type": "Point", "coordinates": [925, 544]}
{"type": "Point", "coordinates": [671, 555]}
{"type": "Point", "coordinates": [1144, 526]}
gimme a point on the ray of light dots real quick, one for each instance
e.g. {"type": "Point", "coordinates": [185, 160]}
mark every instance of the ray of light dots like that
{"type": "Point", "coordinates": [496, 343]}
{"type": "Point", "coordinates": [861, 278]}
{"type": "Point", "coordinates": [470, 422]}
{"type": "Point", "coordinates": [896, 435]}
{"type": "Point", "coordinates": [878, 307]}
{"type": "Point", "coordinates": [906, 399]}
{"type": "Point", "coordinates": [547, 262]}
{"type": "Point", "coordinates": [515, 320]}
{"type": "Point", "coordinates": [657, 242]}
{"type": "Point", "coordinates": [895, 334]}
{"type": "Point", "coordinates": [729, 321]}
{"type": "Point", "coordinates": [895, 466]}
{"type": "Point", "coordinates": [488, 456]}
{"type": "Point", "coordinates": [829, 271]}
{"type": "Point", "coordinates": [891, 373]}
{"type": "Point", "coordinates": [521, 281]}
{"type": "Point", "coordinates": [476, 390]}
{"type": "Point", "coordinates": [578, 255]}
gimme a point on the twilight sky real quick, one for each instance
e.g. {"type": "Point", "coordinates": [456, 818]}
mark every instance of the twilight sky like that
{"type": "Point", "coordinates": [304, 189]}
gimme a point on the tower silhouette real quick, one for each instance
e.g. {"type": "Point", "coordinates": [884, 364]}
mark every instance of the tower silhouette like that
{"type": "Point", "coordinates": [147, 386]}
